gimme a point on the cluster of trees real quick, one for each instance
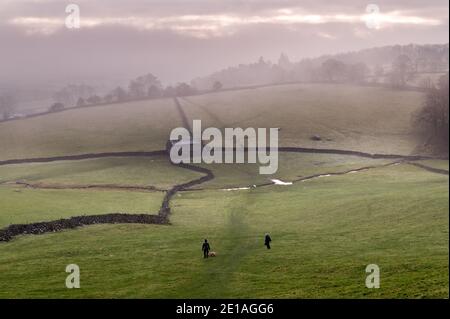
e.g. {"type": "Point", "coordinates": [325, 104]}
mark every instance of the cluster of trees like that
{"type": "Point", "coordinates": [396, 66]}
{"type": "Point", "coordinates": [401, 71]}
{"type": "Point", "coordinates": [145, 86]}
{"type": "Point", "coordinates": [393, 65]}
{"type": "Point", "coordinates": [265, 72]}
{"type": "Point", "coordinates": [260, 72]}
{"type": "Point", "coordinates": [70, 94]}
{"type": "Point", "coordinates": [434, 114]}
{"type": "Point", "coordinates": [333, 70]}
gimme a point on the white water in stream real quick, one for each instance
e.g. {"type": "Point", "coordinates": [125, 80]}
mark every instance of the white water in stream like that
{"type": "Point", "coordinates": [279, 182]}
{"type": "Point", "coordinates": [236, 189]}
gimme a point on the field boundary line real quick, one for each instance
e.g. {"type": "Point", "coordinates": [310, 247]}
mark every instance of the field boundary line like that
{"type": "Point", "coordinates": [429, 168]}
{"type": "Point", "coordinates": [40, 185]}
{"type": "Point", "coordinates": [291, 149]}
{"type": "Point", "coordinates": [83, 157]}
{"type": "Point", "coordinates": [204, 92]}
{"type": "Point", "coordinates": [11, 231]}
{"type": "Point", "coordinates": [165, 206]}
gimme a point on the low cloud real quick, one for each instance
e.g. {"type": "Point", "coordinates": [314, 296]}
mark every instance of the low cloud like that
{"type": "Point", "coordinates": [178, 40]}
{"type": "Point", "coordinates": [214, 25]}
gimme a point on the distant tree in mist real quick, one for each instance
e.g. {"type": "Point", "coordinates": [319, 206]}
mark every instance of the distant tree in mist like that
{"type": "Point", "coordinates": [58, 106]}
{"type": "Point", "coordinates": [70, 94]}
{"type": "Point", "coordinates": [402, 70]}
{"type": "Point", "coordinates": [169, 91]}
{"type": "Point", "coordinates": [434, 114]}
{"type": "Point", "coordinates": [119, 95]}
{"type": "Point", "coordinates": [217, 86]}
{"type": "Point", "coordinates": [7, 105]}
{"type": "Point", "coordinates": [379, 70]}
{"type": "Point", "coordinates": [284, 62]}
{"type": "Point", "coordinates": [136, 89]}
{"type": "Point", "coordinates": [183, 89]}
{"type": "Point", "coordinates": [357, 73]}
{"type": "Point", "coordinates": [62, 96]}
{"type": "Point", "coordinates": [81, 102]}
{"type": "Point", "coordinates": [154, 91]}
{"type": "Point", "coordinates": [261, 71]}
{"type": "Point", "coordinates": [94, 99]}
{"type": "Point", "coordinates": [427, 83]}
{"type": "Point", "coordinates": [142, 86]}
{"type": "Point", "coordinates": [424, 58]}
{"type": "Point", "coordinates": [108, 98]}
{"type": "Point", "coordinates": [333, 70]}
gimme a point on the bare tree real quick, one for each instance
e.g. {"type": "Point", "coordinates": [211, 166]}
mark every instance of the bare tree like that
{"type": "Point", "coordinates": [70, 94]}
{"type": "Point", "coordinates": [94, 99]}
{"type": "Point", "coordinates": [357, 72]}
{"type": "Point", "coordinates": [426, 83]}
{"type": "Point", "coordinates": [136, 89]}
{"type": "Point", "coordinates": [379, 70]}
{"type": "Point", "coordinates": [58, 106]}
{"type": "Point", "coordinates": [119, 94]}
{"type": "Point", "coordinates": [284, 62]}
{"type": "Point", "coordinates": [154, 91]}
{"type": "Point", "coordinates": [143, 86]}
{"type": "Point", "coordinates": [81, 102]}
{"type": "Point", "coordinates": [334, 70]}
{"type": "Point", "coordinates": [108, 98]}
{"type": "Point", "coordinates": [183, 89]}
{"type": "Point", "coordinates": [402, 70]}
{"type": "Point", "coordinates": [217, 86]}
{"type": "Point", "coordinates": [169, 91]}
{"type": "Point", "coordinates": [434, 113]}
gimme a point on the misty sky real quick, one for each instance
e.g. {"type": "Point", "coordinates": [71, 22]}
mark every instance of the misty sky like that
{"type": "Point", "coordinates": [180, 39]}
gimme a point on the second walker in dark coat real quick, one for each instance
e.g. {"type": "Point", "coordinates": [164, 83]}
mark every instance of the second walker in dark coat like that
{"type": "Point", "coordinates": [267, 241]}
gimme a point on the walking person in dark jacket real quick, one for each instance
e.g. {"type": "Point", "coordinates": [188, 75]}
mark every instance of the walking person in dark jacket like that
{"type": "Point", "coordinates": [267, 241]}
{"type": "Point", "coordinates": [206, 249]}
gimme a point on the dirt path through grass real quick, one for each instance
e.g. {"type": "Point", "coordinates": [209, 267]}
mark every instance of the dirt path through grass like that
{"type": "Point", "coordinates": [232, 243]}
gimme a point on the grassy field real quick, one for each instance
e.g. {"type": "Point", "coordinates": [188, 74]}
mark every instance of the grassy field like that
{"type": "Point", "coordinates": [152, 171]}
{"type": "Point", "coordinates": [325, 230]}
{"type": "Point", "coordinates": [346, 117]}
{"type": "Point", "coordinates": [131, 126]}
{"type": "Point", "coordinates": [291, 166]}
{"type": "Point", "coordinates": [368, 119]}
{"type": "Point", "coordinates": [20, 205]}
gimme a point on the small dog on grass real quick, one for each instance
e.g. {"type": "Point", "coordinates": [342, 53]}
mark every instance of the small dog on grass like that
{"type": "Point", "coordinates": [212, 254]}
